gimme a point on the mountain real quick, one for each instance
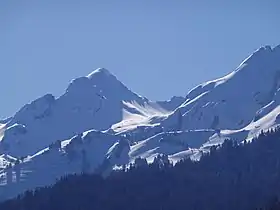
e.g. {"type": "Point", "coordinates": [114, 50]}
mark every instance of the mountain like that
{"type": "Point", "coordinates": [98, 124]}
{"type": "Point", "coordinates": [232, 101]}
{"type": "Point", "coordinates": [97, 101]}
{"type": "Point", "coordinates": [238, 105]}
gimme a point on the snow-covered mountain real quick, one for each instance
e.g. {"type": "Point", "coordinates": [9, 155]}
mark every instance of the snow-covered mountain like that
{"type": "Point", "coordinates": [99, 124]}
{"type": "Point", "coordinates": [231, 102]}
{"type": "Point", "coordinates": [97, 101]}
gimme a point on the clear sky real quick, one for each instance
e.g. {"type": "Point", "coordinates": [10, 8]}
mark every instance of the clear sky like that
{"type": "Point", "coordinates": [158, 48]}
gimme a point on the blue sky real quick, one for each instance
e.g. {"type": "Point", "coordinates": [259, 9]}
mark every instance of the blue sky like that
{"type": "Point", "coordinates": [158, 48]}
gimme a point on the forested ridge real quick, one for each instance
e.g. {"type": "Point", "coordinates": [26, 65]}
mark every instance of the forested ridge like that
{"type": "Point", "coordinates": [231, 176]}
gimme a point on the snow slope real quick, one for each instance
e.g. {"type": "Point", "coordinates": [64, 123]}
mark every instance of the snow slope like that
{"type": "Point", "coordinates": [97, 101]}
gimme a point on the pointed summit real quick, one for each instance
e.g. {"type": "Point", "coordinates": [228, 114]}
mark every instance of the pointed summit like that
{"type": "Point", "coordinates": [100, 71]}
{"type": "Point", "coordinates": [100, 78]}
{"type": "Point", "coordinates": [103, 78]}
{"type": "Point", "coordinates": [102, 81]}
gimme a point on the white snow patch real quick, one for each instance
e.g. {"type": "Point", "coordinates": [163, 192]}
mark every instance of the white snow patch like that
{"type": "Point", "coordinates": [2, 130]}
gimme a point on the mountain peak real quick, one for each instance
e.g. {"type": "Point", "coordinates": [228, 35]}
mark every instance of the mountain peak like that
{"type": "Point", "coordinates": [100, 78]}
{"type": "Point", "coordinates": [265, 56]}
{"type": "Point", "coordinates": [100, 71]}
